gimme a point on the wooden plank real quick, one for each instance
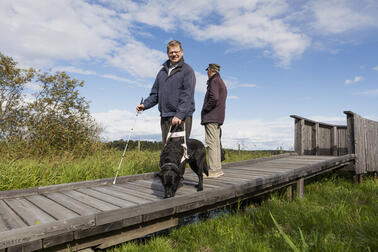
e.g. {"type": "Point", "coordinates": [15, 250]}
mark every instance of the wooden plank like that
{"type": "Point", "coordinates": [156, 185]}
{"type": "Point", "coordinates": [8, 218]}
{"type": "Point", "coordinates": [316, 146]}
{"type": "Point", "coordinates": [30, 213]}
{"type": "Point", "coordinates": [15, 237]}
{"type": "Point", "coordinates": [137, 191]}
{"type": "Point", "coordinates": [57, 239]}
{"type": "Point", "coordinates": [91, 201]}
{"type": "Point", "coordinates": [143, 189]}
{"type": "Point", "coordinates": [70, 203]}
{"type": "Point", "coordinates": [116, 193]}
{"type": "Point", "coordinates": [106, 198]}
{"type": "Point", "coordinates": [52, 208]}
{"type": "Point", "coordinates": [140, 232]}
{"type": "Point", "coordinates": [28, 246]}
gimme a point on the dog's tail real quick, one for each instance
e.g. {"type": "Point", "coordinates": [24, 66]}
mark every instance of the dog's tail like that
{"type": "Point", "coordinates": [205, 167]}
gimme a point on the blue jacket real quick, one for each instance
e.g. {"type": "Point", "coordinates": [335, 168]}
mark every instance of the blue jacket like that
{"type": "Point", "coordinates": [173, 93]}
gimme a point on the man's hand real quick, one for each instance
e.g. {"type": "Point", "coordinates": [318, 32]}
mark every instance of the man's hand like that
{"type": "Point", "coordinates": [175, 121]}
{"type": "Point", "coordinates": [140, 108]}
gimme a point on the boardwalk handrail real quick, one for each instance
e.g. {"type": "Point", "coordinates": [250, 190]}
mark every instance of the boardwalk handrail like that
{"type": "Point", "coordinates": [363, 141]}
{"type": "Point", "coordinates": [317, 138]}
{"type": "Point", "coordinates": [359, 136]}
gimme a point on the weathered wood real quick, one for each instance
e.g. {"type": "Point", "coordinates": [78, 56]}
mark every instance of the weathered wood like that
{"type": "Point", "coordinates": [70, 203]}
{"type": "Point", "coordinates": [72, 186]}
{"type": "Point", "coordinates": [30, 213]}
{"type": "Point", "coordinates": [58, 239]}
{"type": "Point", "coordinates": [106, 197]}
{"type": "Point", "coordinates": [52, 208]}
{"type": "Point", "coordinates": [8, 218]}
{"type": "Point", "coordinates": [316, 146]}
{"type": "Point", "coordinates": [91, 201]}
{"type": "Point", "coordinates": [124, 189]}
{"type": "Point", "coordinates": [300, 187]}
{"type": "Point", "coordinates": [363, 141]}
{"type": "Point", "coordinates": [289, 192]}
{"type": "Point", "coordinates": [28, 246]}
{"type": "Point", "coordinates": [140, 232]}
{"type": "Point", "coordinates": [118, 194]}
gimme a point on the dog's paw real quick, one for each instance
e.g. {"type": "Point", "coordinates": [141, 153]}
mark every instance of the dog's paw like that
{"type": "Point", "coordinates": [199, 188]}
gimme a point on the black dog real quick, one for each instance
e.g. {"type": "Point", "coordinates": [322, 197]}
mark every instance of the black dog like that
{"type": "Point", "coordinates": [172, 169]}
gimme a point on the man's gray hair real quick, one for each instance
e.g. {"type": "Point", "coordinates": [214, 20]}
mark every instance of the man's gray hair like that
{"type": "Point", "coordinates": [174, 43]}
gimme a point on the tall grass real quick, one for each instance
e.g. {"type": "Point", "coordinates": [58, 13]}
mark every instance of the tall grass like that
{"type": "Point", "coordinates": [334, 215]}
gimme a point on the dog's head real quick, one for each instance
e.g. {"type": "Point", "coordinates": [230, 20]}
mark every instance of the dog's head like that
{"type": "Point", "coordinates": [170, 178]}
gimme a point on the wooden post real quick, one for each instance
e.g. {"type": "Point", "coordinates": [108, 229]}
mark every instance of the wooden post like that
{"type": "Point", "coordinates": [334, 141]}
{"type": "Point", "coordinates": [375, 177]}
{"type": "Point", "coordinates": [300, 187]}
{"type": "Point", "coordinates": [239, 149]}
{"type": "Point", "coordinates": [316, 147]}
{"type": "Point", "coordinates": [360, 179]}
{"type": "Point", "coordinates": [289, 192]}
{"type": "Point", "coordinates": [138, 145]}
{"type": "Point", "coordinates": [299, 136]}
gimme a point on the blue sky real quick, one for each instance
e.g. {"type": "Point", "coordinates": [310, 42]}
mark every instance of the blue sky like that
{"type": "Point", "coordinates": [313, 58]}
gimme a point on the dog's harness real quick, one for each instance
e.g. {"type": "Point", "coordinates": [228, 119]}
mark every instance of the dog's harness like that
{"type": "Point", "coordinates": [179, 134]}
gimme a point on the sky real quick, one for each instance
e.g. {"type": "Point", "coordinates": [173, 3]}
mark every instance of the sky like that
{"type": "Point", "coordinates": [315, 59]}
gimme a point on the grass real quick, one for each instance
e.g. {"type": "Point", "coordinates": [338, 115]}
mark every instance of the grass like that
{"type": "Point", "coordinates": [334, 215]}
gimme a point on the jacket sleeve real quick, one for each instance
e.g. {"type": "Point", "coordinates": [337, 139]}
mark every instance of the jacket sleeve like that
{"type": "Point", "coordinates": [213, 96]}
{"type": "Point", "coordinates": [153, 99]}
{"type": "Point", "coordinates": [186, 95]}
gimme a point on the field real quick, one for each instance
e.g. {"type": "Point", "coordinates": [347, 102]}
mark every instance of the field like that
{"type": "Point", "coordinates": [334, 215]}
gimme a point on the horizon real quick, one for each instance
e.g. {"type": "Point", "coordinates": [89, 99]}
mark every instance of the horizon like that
{"type": "Point", "coordinates": [315, 59]}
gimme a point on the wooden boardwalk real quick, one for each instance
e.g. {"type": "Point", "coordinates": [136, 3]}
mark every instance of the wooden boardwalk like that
{"type": "Point", "coordinates": [100, 214]}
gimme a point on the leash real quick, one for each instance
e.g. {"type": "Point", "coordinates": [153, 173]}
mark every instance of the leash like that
{"type": "Point", "coordinates": [127, 143]}
{"type": "Point", "coordinates": [178, 134]}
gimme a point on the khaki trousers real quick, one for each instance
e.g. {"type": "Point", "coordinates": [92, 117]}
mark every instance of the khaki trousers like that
{"type": "Point", "coordinates": [212, 139]}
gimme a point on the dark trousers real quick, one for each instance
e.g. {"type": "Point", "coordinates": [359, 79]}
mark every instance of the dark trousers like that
{"type": "Point", "coordinates": [165, 123]}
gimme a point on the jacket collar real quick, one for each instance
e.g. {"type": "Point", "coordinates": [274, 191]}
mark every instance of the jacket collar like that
{"type": "Point", "coordinates": [212, 77]}
{"type": "Point", "coordinates": [168, 63]}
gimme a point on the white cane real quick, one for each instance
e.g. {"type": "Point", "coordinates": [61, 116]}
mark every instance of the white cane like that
{"type": "Point", "coordinates": [127, 143]}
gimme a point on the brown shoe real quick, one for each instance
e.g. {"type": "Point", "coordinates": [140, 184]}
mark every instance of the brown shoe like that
{"type": "Point", "coordinates": [215, 174]}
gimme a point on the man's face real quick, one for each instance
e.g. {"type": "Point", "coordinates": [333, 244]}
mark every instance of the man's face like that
{"type": "Point", "coordinates": [210, 73]}
{"type": "Point", "coordinates": [175, 54]}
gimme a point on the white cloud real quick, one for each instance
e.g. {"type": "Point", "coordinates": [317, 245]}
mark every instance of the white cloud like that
{"type": "Point", "coordinates": [232, 97]}
{"type": "Point", "coordinates": [375, 68]}
{"type": "Point", "coordinates": [338, 16]}
{"type": "Point", "coordinates": [71, 69]}
{"type": "Point", "coordinates": [354, 80]}
{"type": "Point", "coordinates": [372, 92]}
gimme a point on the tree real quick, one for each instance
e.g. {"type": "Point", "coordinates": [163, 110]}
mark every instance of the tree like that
{"type": "Point", "coordinates": [57, 119]}
{"type": "Point", "coordinates": [12, 108]}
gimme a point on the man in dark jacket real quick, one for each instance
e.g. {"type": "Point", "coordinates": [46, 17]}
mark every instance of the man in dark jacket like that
{"type": "Point", "coordinates": [212, 116]}
{"type": "Point", "coordinates": [173, 90]}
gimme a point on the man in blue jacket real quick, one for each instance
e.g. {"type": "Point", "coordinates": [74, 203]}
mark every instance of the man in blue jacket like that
{"type": "Point", "coordinates": [173, 91]}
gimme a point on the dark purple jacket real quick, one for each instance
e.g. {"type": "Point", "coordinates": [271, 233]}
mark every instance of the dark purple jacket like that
{"type": "Point", "coordinates": [174, 93]}
{"type": "Point", "coordinates": [214, 104]}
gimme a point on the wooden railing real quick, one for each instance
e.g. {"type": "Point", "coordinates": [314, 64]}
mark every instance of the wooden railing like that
{"type": "Point", "coordinates": [316, 138]}
{"type": "Point", "coordinates": [359, 136]}
{"type": "Point", "coordinates": [363, 141]}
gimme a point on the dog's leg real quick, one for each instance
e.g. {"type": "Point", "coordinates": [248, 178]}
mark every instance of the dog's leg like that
{"type": "Point", "coordinates": [198, 169]}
